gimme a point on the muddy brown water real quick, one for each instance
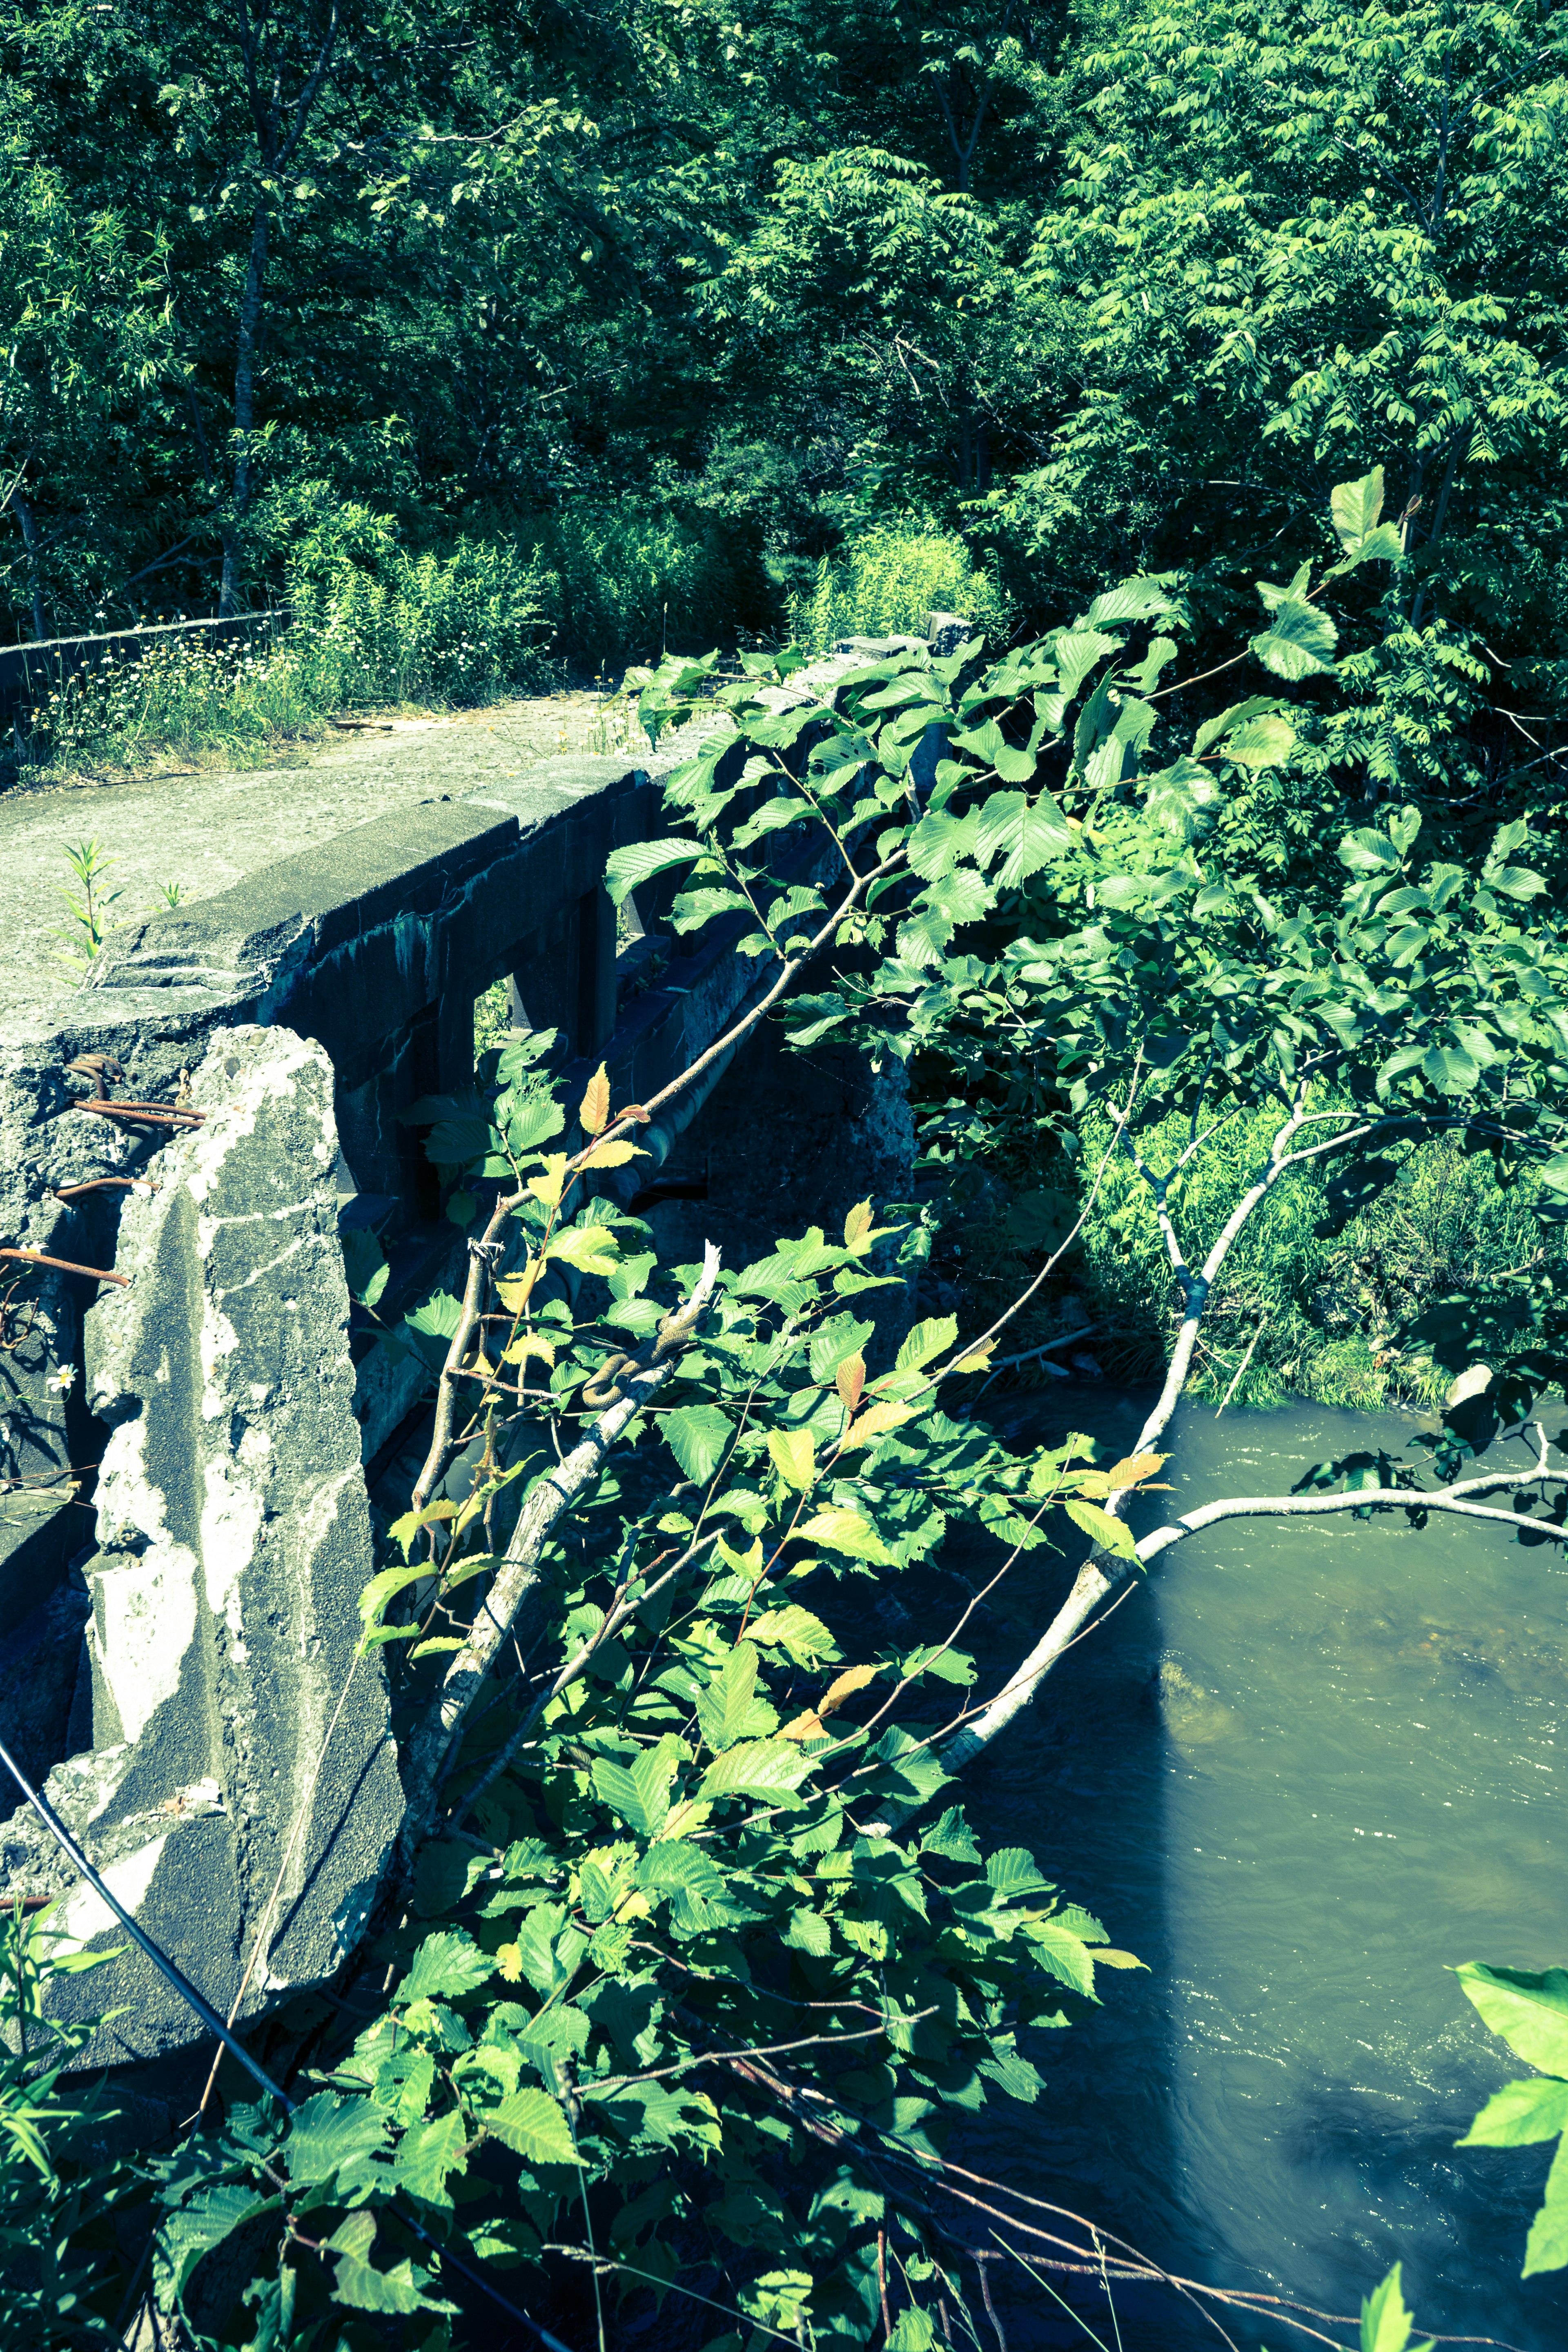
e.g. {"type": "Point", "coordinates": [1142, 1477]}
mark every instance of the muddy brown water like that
{"type": "Point", "coordinates": [1303, 1772]}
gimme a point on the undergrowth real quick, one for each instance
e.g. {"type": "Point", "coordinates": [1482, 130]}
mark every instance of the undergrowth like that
{"type": "Point", "coordinates": [373, 625]}
{"type": "Point", "coordinates": [1299, 1311]}
{"type": "Point", "coordinates": [888, 582]}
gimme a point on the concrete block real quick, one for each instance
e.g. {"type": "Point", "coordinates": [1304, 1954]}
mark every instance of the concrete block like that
{"type": "Point", "coordinates": [233, 1543]}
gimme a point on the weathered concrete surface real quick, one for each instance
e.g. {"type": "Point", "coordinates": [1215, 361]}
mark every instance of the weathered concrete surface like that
{"type": "Point", "coordinates": [233, 1543]}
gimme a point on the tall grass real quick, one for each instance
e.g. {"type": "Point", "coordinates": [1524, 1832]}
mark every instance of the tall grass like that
{"type": "Point", "coordinates": [627, 582]}
{"type": "Point", "coordinates": [1295, 1312]}
{"type": "Point", "coordinates": [887, 582]}
{"type": "Point", "coordinates": [367, 629]}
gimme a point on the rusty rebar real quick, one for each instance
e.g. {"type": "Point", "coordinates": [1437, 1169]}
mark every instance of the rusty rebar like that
{"type": "Point", "coordinates": [65, 1265]}
{"type": "Point", "coordinates": [161, 1114]}
{"type": "Point", "coordinates": [105, 1184]}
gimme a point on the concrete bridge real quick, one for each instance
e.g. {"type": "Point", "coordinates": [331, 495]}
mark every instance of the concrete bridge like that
{"type": "Point", "coordinates": [187, 1453]}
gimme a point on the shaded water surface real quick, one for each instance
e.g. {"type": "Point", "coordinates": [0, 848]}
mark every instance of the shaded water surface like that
{"type": "Point", "coordinates": [1302, 1773]}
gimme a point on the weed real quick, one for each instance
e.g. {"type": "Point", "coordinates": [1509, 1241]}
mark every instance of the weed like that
{"type": "Point", "coordinates": [89, 903]}
{"type": "Point", "coordinates": [886, 583]}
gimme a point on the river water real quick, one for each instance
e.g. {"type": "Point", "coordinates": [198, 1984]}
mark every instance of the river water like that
{"type": "Point", "coordinates": [1303, 1772]}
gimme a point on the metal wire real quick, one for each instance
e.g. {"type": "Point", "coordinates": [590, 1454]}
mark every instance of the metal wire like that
{"type": "Point", "coordinates": [215, 2024]}
{"type": "Point", "coordinates": [139, 1936]}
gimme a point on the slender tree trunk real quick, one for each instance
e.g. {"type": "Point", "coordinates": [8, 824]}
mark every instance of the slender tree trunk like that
{"type": "Point", "coordinates": [246, 353]}
{"type": "Point", "coordinates": [35, 575]}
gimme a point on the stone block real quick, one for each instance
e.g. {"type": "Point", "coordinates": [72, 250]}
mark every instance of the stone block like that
{"type": "Point", "coordinates": [233, 1543]}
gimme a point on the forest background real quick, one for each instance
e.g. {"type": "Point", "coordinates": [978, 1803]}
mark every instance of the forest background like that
{"type": "Point", "coordinates": [482, 334]}
{"type": "Point", "coordinates": [485, 341]}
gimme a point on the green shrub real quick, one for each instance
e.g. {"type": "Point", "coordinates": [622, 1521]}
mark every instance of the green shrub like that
{"type": "Point", "coordinates": [1319, 1313]}
{"type": "Point", "coordinates": [373, 624]}
{"type": "Point", "coordinates": [885, 583]}
{"type": "Point", "coordinates": [628, 580]}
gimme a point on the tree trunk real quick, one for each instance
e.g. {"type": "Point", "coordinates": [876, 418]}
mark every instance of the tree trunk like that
{"type": "Point", "coordinates": [246, 355]}
{"type": "Point", "coordinates": [35, 576]}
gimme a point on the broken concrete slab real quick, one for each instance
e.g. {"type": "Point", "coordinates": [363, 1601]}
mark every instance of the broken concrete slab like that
{"type": "Point", "coordinates": [237, 1741]}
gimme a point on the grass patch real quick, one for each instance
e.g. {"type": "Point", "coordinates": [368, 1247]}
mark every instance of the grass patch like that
{"type": "Point", "coordinates": [888, 580]}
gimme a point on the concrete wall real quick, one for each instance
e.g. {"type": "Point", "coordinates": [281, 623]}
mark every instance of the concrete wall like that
{"type": "Point", "coordinates": [174, 1644]}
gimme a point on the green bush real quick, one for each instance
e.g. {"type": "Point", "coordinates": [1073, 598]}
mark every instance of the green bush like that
{"type": "Point", "coordinates": [885, 583]}
{"type": "Point", "coordinates": [1320, 1313]}
{"type": "Point", "coordinates": [373, 624]}
{"type": "Point", "coordinates": [628, 580]}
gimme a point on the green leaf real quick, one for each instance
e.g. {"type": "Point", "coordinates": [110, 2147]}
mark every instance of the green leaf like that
{"type": "Point", "coordinates": [203, 2222]}
{"type": "Point", "coordinates": [1520, 2114]}
{"type": "Point", "coordinates": [531, 2124]}
{"type": "Point", "coordinates": [1355, 508]}
{"type": "Point", "coordinates": [1546, 2248]}
{"type": "Point", "coordinates": [628, 869]}
{"type": "Point", "coordinates": [1300, 641]}
{"type": "Point", "coordinates": [1529, 2013]}
{"type": "Point", "coordinates": [1061, 1953]}
{"type": "Point", "coordinates": [792, 1453]}
{"type": "Point", "coordinates": [1213, 729]}
{"type": "Point", "coordinates": [929, 1338]}
{"type": "Point", "coordinates": [769, 1769]}
{"type": "Point", "coordinates": [803, 1637]}
{"type": "Point", "coordinates": [640, 1796]}
{"type": "Point", "coordinates": [328, 2131]}
{"type": "Point", "coordinates": [846, 1531]}
{"type": "Point", "coordinates": [532, 1121]}
{"type": "Point", "coordinates": [808, 1931]}
{"type": "Point", "coordinates": [1385, 2324]}
{"type": "Point", "coordinates": [699, 1437]}
{"type": "Point", "coordinates": [364, 1263]}
{"type": "Point", "coordinates": [446, 1964]}
{"type": "Point", "coordinates": [1449, 1068]}
{"type": "Point", "coordinates": [722, 1708]}
{"type": "Point", "coordinates": [1102, 1528]}
{"type": "Point", "coordinates": [1013, 1870]}
{"type": "Point", "coordinates": [1367, 852]}
{"type": "Point", "coordinates": [1266, 741]}
{"type": "Point", "coordinates": [1026, 834]}
{"type": "Point", "coordinates": [362, 2287]}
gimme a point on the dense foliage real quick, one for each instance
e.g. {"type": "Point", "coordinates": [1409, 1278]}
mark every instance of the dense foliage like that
{"type": "Point", "coordinates": [473, 333]}
{"type": "Point", "coordinates": [682, 300]}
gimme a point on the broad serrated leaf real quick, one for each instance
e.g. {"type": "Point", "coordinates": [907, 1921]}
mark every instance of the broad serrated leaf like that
{"type": "Point", "coordinates": [1300, 641]}
{"type": "Point", "coordinates": [594, 1108]}
{"type": "Point", "coordinates": [629, 868]}
{"type": "Point", "coordinates": [1102, 1528]}
{"type": "Point", "coordinates": [803, 1637]}
{"type": "Point", "coordinates": [1013, 1870]}
{"type": "Point", "coordinates": [769, 1769]}
{"type": "Point", "coordinates": [846, 1531]}
{"type": "Point", "coordinates": [699, 1436]}
{"type": "Point", "coordinates": [531, 2124]}
{"type": "Point", "coordinates": [446, 1964]}
{"type": "Point", "coordinates": [203, 2221]}
{"type": "Point", "coordinates": [722, 1708]}
{"type": "Point", "coordinates": [929, 1339]}
{"type": "Point", "coordinates": [1385, 2324]}
{"type": "Point", "coordinates": [1530, 2011]}
{"type": "Point", "coordinates": [328, 2131]}
{"type": "Point", "coordinates": [1520, 2114]}
{"type": "Point", "coordinates": [1354, 508]}
{"type": "Point", "coordinates": [794, 1455]}
{"type": "Point", "coordinates": [640, 1796]}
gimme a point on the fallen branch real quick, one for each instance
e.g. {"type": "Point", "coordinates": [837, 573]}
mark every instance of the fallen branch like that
{"type": "Point", "coordinates": [519, 1576]}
